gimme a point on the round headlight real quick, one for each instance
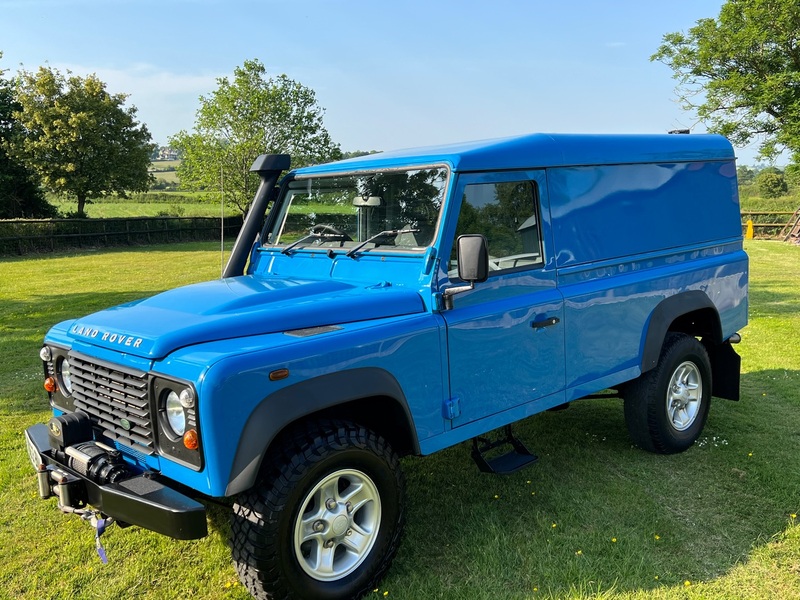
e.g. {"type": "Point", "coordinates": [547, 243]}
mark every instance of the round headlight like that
{"type": "Point", "coordinates": [175, 415]}
{"type": "Point", "coordinates": [65, 373]}
{"type": "Point", "coordinates": [46, 354]}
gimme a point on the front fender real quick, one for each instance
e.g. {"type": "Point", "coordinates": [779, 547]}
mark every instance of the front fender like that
{"type": "Point", "coordinates": [292, 403]}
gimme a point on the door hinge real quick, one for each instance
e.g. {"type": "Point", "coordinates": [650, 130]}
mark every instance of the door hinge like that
{"type": "Point", "coordinates": [451, 408]}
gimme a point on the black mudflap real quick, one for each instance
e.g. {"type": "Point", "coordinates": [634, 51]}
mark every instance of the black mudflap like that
{"type": "Point", "coordinates": [516, 457]}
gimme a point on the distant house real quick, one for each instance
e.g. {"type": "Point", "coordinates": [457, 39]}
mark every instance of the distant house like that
{"type": "Point", "coordinates": [166, 153]}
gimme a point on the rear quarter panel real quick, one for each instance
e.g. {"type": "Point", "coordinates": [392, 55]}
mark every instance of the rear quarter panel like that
{"type": "Point", "coordinates": [626, 238]}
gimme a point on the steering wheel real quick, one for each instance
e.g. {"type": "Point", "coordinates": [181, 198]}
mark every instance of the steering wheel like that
{"type": "Point", "coordinates": [331, 230]}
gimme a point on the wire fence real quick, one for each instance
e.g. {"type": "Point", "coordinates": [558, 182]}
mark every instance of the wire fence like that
{"type": "Point", "coordinates": [26, 236]}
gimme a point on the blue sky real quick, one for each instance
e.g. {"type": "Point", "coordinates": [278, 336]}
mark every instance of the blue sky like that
{"type": "Point", "coordinates": [389, 74]}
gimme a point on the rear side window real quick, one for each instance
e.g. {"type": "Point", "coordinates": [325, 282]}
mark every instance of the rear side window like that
{"type": "Point", "coordinates": [507, 214]}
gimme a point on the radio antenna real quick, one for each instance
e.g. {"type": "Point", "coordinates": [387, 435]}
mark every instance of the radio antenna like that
{"type": "Point", "coordinates": [221, 222]}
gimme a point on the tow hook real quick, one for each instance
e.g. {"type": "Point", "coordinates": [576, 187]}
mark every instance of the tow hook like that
{"type": "Point", "coordinates": [99, 523]}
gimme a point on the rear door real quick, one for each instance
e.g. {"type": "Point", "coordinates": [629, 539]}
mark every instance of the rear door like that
{"type": "Point", "coordinates": [506, 337]}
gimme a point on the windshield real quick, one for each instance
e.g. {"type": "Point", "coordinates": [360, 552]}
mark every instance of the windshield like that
{"type": "Point", "coordinates": [389, 210]}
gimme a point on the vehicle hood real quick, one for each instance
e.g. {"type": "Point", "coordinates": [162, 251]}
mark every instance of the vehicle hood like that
{"type": "Point", "coordinates": [237, 307]}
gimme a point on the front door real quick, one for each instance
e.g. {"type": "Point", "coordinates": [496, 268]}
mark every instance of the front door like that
{"type": "Point", "coordinates": [506, 337]}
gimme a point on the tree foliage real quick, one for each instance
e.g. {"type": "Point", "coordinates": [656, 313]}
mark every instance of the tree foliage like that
{"type": "Point", "coordinates": [771, 184]}
{"type": "Point", "coordinates": [79, 139]}
{"type": "Point", "coordinates": [741, 72]}
{"type": "Point", "coordinates": [252, 114]}
{"type": "Point", "coordinates": [20, 194]}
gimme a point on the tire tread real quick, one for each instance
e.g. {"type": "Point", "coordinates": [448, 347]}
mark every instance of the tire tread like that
{"type": "Point", "coordinates": [644, 397]}
{"type": "Point", "coordinates": [254, 540]}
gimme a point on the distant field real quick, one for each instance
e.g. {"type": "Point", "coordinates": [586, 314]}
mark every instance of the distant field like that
{"type": "Point", "coordinates": [168, 176]}
{"type": "Point", "coordinates": [166, 170]}
{"type": "Point", "coordinates": [188, 204]}
{"type": "Point", "coordinates": [178, 204]}
{"type": "Point", "coordinates": [159, 165]}
{"type": "Point", "coordinates": [196, 204]}
{"type": "Point", "coordinates": [102, 210]}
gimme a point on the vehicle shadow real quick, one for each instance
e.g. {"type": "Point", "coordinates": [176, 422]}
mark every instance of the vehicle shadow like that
{"type": "Point", "coordinates": [597, 514]}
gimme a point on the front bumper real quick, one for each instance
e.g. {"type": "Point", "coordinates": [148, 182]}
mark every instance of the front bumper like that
{"type": "Point", "coordinates": [138, 500]}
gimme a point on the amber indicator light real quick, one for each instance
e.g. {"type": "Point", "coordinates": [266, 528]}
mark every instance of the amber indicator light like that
{"type": "Point", "coordinates": [279, 374]}
{"type": "Point", "coordinates": [190, 440]}
{"type": "Point", "coordinates": [50, 384]}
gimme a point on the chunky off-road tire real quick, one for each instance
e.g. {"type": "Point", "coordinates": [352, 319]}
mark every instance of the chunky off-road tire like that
{"type": "Point", "coordinates": [666, 408]}
{"type": "Point", "coordinates": [326, 520]}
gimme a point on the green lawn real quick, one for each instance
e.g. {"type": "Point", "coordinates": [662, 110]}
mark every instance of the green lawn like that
{"type": "Point", "coordinates": [595, 518]}
{"type": "Point", "coordinates": [183, 204]}
{"type": "Point", "coordinates": [178, 204]}
{"type": "Point", "coordinates": [168, 176]}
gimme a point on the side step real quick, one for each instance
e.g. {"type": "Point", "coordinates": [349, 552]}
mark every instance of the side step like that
{"type": "Point", "coordinates": [503, 464]}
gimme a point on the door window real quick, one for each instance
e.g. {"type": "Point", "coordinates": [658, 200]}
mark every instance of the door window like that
{"type": "Point", "coordinates": [506, 213]}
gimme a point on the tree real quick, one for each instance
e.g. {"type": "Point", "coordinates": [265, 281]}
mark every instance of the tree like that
{"type": "Point", "coordinates": [771, 184]}
{"type": "Point", "coordinates": [793, 174]}
{"type": "Point", "coordinates": [251, 115]}
{"type": "Point", "coordinates": [745, 174]}
{"type": "Point", "coordinates": [20, 194]}
{"type": "Point", "coordinates": [741, 72]}
{"type": "Point", "coordinates": [80, 139]}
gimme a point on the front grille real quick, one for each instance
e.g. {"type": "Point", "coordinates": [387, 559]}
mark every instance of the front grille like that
{"type": "Point", "coordinates": [110, 394]}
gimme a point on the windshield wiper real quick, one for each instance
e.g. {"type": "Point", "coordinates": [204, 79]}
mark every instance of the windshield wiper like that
{"type": "Point", "coordinates": [302, 240]}
{"type": "Point", "coordinates": [328, 237]}
{"type": "Point", "coordinates": [389, 234]}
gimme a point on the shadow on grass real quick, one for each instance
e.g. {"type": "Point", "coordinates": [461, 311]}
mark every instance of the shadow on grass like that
{"type": "Point", "coordinates": [691, 516]}
{"type": "Point", "coordinates": [597, 513]}
{"type": "Point", "coordinates": [768, 301]}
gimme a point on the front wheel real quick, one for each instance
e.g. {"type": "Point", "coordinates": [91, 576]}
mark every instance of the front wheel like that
{"type": "Point", "coordinates": [666, 408]}
{"type": "Point", "coordinates": [326, 521]}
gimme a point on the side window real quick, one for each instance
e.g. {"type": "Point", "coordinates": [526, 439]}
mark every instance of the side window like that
{"type": "Point", "coordinates": [507, 214]}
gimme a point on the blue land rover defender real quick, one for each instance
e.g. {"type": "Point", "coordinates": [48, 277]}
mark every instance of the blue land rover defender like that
{"type": "Point", "coordinates": [397, 304]}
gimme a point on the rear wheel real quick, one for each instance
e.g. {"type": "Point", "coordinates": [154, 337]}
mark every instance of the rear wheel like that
{"type": "Point", "coordinates": [326, 522]}
{"type": "Point", "coordinates": [666, 408]}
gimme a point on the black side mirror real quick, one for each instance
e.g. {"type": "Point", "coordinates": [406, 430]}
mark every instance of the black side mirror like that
{"type": "Point", "coordinates": [473, 258]}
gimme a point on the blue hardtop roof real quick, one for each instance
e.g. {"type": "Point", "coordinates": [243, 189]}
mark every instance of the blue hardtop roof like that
{"type": "Point", "coordinates": [544, 150]}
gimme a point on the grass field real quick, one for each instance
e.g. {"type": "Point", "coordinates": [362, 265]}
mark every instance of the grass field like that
{"type": "Point", "coordinates": [188, 204]}
{"type": "Point", "coordinates": [182, 204]}
{"type": "Point", "coordinates": [595, 518]}
{"type": "Point", "coordinates": [166, 170]}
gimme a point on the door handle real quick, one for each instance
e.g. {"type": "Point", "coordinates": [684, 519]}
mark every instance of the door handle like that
{"type": "Point", "coordinates": [549, 322]}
